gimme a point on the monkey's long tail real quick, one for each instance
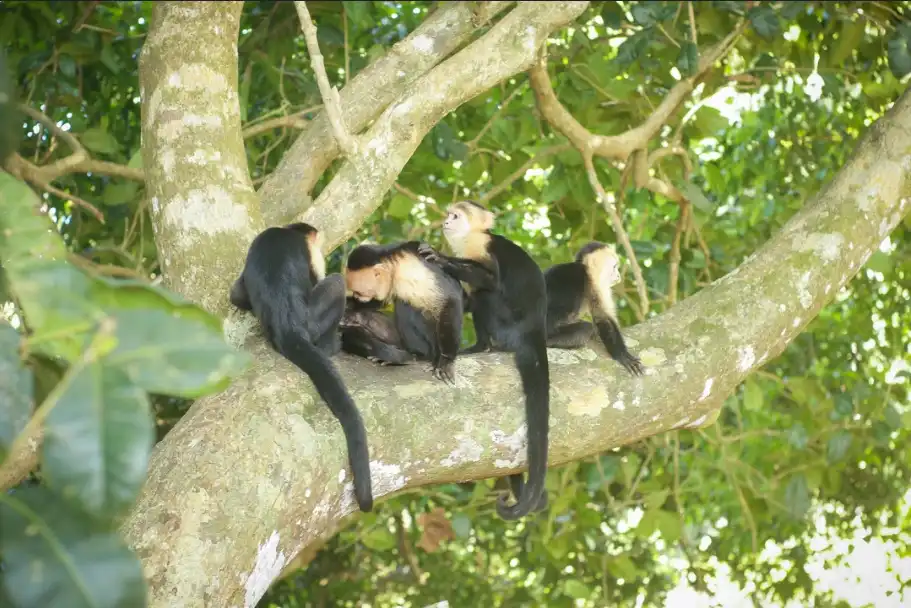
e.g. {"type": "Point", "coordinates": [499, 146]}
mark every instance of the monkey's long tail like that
{"type": "Point", "coordinates": [531, 359]}
{"type": "Point", "coordinates": [331, 389]}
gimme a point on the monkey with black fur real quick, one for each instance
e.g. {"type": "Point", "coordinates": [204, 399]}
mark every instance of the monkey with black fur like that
{"type": "Point", "coordinates": [428, 302]}
{"type": "Point", "coordinates": [508, 302]}
{"type": "Point", "coordinates": [283, 283]}
{"type": "Point", "coordinates": [584, 286]}
{"type": "Point", "coordinates": [370, 333]}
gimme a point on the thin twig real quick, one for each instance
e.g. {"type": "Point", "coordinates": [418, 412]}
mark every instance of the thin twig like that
{"type": "Point", "coordinates": [693, 34]}
{"type": "Point", "coordinates": [294, 121]}
{"type": "Point", "coordinates": [620, 232]}
{"type": "Point", "coordinates": [674, 270]}
{"type": "Point", "coordinates": [73, 198]}
{"type": "Point", "coordinates": [346, 143]}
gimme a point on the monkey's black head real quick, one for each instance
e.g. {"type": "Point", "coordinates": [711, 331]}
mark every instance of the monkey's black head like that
{"type": "Point", "coordinates": [365, 256]}
{"type": "Point", "coordinates": [587, 249]}
{"type": "Point", "coordinates": [303, 228]}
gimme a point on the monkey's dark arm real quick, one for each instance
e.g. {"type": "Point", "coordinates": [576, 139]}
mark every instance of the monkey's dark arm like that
{"type": "Point", "coordinates": [357, 340]}
{"type": "Point", "coordinates": [476, 274]}
{"type": "Point", "coordinates": [239, 296]}
{"type": "Point", "coordinates": [610, 335]}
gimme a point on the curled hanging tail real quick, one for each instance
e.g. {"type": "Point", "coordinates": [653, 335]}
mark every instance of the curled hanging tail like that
{"type": "Point", "coordinates": [531, 360]}
{"type": "Point", "coordinates": [319, 368]}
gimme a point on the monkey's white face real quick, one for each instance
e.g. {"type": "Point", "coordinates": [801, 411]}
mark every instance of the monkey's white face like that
{"type": "Point", "coordinates": [610, 271]}
{"type": "Point", "coordinates": [456, 225]}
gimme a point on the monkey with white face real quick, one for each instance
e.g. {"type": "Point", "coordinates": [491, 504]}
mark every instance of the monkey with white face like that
{"type": "Point", "coordinates": [508, 303]}
{"type": "Point", "coordinates": [584, 287]}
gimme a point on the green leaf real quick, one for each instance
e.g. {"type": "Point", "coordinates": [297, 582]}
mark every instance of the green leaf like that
{"type": "Point", "coordinates": [379, 539]}
{"type": "Point", "coordinates": [631, 48]}
{"type": "Point", "coordinates": [798, 437]}
{"type": "Point", "coordinates": [849, 38]}
{"type": "Point", "coordinates": [612, 14]}
{"type": "Point", "coordinates": [797, 496]}
{"type": "Point", "coordinates": [708, 121]}
{"type": "Point", "coordinates": [24, 232]}
{"type": "Point", "coordinates": [752, 396]}
{"type": "Point", "coordinates": [623, 567]}
{"type": "Point", "coordinates": [730, 6]}
{"type": "Point", "coordinates": [136, 160]}
{"type": "Point", "coordinates": [654, 500]}
{"type": "Point", "coordinates": [98, 438]}
{"type": "Point", "coordinates": [15, 389]}
{"type": "Point", "coordinates": [400, 206]}
{"type": "Point", "coordinates": [892, 417]}
{"type": "Point", "coordinates": [358, 13]}
{"type": "Point", "coordinates": [793, 8]}
{"type": "Point", "coordinates": [461, 525]}
{"type": "Point", "coordinates": [838, 445]}
{"type": "Point", "coordinates": [120, 193]}
{"type": "Point", "coordinates": [694, 195]}
{"type": "Point", "coordinates": [880, 262]}
{"type": "Point", "coordinates": [165, 353]}
{"type": "Point", "coordinates": [576, 589]}
{"type": "Point", "coordinates": [688, 59]}
{"type": "Point", "coordinates": [898, 50]}
{"type": "Point", "coordinates": [109, 59]}
{"type": "Point", "coordinates": [99, 141]}
{"type": "Point", "coordinates": [844, 405]}
{"type": "Point", "coordinates": [764, 20]}
{"type": "Point", "coordinates": [56, 557]}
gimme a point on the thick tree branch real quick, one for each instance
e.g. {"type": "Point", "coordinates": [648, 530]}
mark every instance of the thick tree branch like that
{"type": "Point", "coordinates": [203, 205]}
{"type": "Point", "coordinates": [286, 191]}
{"type": "Point", "coordinates": [509, 47]}
{"type": "Point", "coordinates": [331, 102]}
{"type": "Point", "coordinates": [207, 538]}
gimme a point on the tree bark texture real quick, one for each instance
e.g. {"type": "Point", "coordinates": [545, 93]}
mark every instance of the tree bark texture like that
{"type": "Point", "coordinates": [253, 475]}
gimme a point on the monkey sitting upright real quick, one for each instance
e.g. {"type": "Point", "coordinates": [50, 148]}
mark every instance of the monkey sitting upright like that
{"type": "Point", "coordinates": [508, 302]}
{"type": "Point", "coordinates": [584, 286]}
{"type": "Point", "coordinates": [428, 302]}
{"type": "Point", "coordinates": [283, 283]}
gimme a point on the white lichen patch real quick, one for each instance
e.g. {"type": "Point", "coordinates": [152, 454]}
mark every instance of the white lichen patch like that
{"type": "Point", "coordinates": [386, 478]}
{"type": "Point", "coordinates": [422, 43]}
{"type": "Point", "coordinates": [796, 322]}
{"type": "Point", "coordinates": [745, 358]}
{"type": "Point", "coordinates": [619, 405]}
{"type": "Point", "coordinates": [197, 77]}
{"type": "Point", "coordinates": [467, 450]}
{"type": "Point", "coordinates": [589, 403]}
{"type": "Point", "coordinates": [168, 162]}
{"type": "Point", "coordinates": [170, 130]}
{"type": "Point", "coordinates": [341, 475]}
{"type": "Point", "coordinates": [269, 564]}
{"type": "Point", "coordinates": [237, 327]}
{"type": "Point", "coordinates": [681, 423]}
{"type": "Point", "coordinates": [652, 356]}
{"type": "Point", "coordinates": [203, 157]}
{"type": "Point", "coordinates": [347, 500]}
{"type": "Point", "coordinates": [513, 444]}
{"type": "Point", "coordinates": [707, 389]}
{"type": "Point", "coordinates": [803, 292]}
{"type": "Point", "coordinates": [531, 39]}
{"type": "Point", "coordinates": [698, 422]}
{"type": "Point", "coordinates": [208, 211]}
{"type": "Point", "coordinates": [825, 245]}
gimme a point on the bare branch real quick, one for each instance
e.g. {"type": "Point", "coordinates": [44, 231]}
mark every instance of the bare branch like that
{"type": "Point", "coordinates": [285, 193]}
{"type": "Point", "coordinates": [294, 121]}
{"type": "Point", "coordinates": [619, 147]}
{"type": "Point", "coordinates": [331, 101]}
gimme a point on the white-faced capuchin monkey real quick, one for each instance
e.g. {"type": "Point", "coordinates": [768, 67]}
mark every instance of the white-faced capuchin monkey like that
{"type": "Point", "coordinates": [428, 302]}
{"type": "Point", "coordinates": [370, 333]}
{"type": "Point", "coordinates": [284, 284]}
{"type": "Point", "coordinates": [584, 286]}
{"type": "Point", "coordinates": [508, 303]}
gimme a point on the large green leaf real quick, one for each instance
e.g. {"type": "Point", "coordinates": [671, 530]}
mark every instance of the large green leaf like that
{"type": "Point", "coordinates": [24, 232]}
{"type": "Point", "coordinates": [15, 389]}
{"type": "Point", "coordinates": [163, 352]}
{"type": "Point", "coordinates": [98, 438]}
{"type": "Point", "coordinates": [56, 557]}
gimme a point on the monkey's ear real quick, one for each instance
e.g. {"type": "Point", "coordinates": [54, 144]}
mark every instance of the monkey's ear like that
{"type": "Point", "coordinates": [486, 220]}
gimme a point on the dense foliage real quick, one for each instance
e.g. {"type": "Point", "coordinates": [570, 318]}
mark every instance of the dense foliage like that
{"type": "Point", "coordinates": [817, 440]}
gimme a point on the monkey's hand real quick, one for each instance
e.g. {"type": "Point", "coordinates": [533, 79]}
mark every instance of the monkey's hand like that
{"type": "Point", "coordinates": [378, 361]}
{"type": "Point", "coordinates": [445, 371]}
{"type": "Point", "coordinates": [428, 253]}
